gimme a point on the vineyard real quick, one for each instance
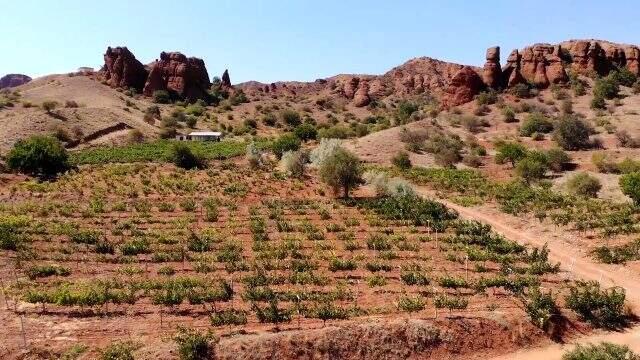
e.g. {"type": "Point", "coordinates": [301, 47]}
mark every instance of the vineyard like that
{"type": "Point", "coordinates": [231, 248]}
{"type": "Point", "coordinates": [600, 218]}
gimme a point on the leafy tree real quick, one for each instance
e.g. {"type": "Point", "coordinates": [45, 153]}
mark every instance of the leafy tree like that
{"type": "Point", "coordinates": [630, 186]}
{"type": "Point", "coordinates": [624, 77]}
{"type": "Point", "coordinates": [290, 117]}
{"type": "Point", "coordinates": [602, 351]}
{"type": "Point", "coordinates": [536, 123]}
{"type": "Point", "coordinates": [404, 111]}
{"type": "Point", "coordinates": [306, 132]}
{"type": "Point", "coordinates": [294, 162]}
{"type": "Point", "coordinates": [583, 184]}
{"type": "Point", "coordinates": [185, 158]}
{"type": "Point", "coordinates": [286, 142]}
{"type": "Point", "coordinates": [39, 156]}
{"type": "Point", "coordinates": [598, 102]}
{"type": "Point", "coordinates": [341, 170]}
{"type": "Point", "coordinates": [607, 87]}
{"type": "Point", "coordinates": [401, 160]}
{"type": "Point", "coordinates": [572, 133]}
{"type": "Point", "coordinates": [532, 167]}
{"type": "Point", "coordinates": [557, 159]}
{"type": "Point", "coordinates": [511, 152]}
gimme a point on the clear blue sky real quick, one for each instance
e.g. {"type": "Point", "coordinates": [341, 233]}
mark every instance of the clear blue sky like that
{"type": "Point", "coordinates": [295, 39]}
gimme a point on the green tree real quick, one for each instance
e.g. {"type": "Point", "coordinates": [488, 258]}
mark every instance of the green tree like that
{"type": "Point", "coordinates": [185, 158]}
{"type": "Point", "coordinates": [583, 184]}
{"type": "Point", "coordinates": [533, 166]}
{"type": "Point", "coordinates": [536, 123]}
{"type": "Point", "coordinates": [290, 117]}
{"type": "Point", "coordinates": [306, 132]}
{"type": "Point", "coordinates": [630, 186]}
{"type": "Point", "coordinates": [39, 156]}
{"type": "Point", "coordinates": [572, 133]}
{"type": "Point", "coordinates": [510, 152]}
{"type": "Point", "coordinates": [341, 170]}
{"type": "Point", "coordinates": [286, 142]}
{"type": "Point", "coordinates": [194, 345]}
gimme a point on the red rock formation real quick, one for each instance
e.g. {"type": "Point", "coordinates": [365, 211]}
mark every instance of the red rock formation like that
{"type": "Point", "coordinates": [464, 85]}
{"type": "Point", "coordinates": [350, 87]}
{"type": "Point", "coordinates": [13, 80]}
{"type": "Point", "coordinates": [632, 57]}
{"type": "Point", "coordinates": [174, 72]}
{"type": "Point", "coordinates": [555, 68]}
{"type": "Point", "coordinates": [511, 75]}
{"type": "Point", "coordinates": [588, 57]}
{"type": "Point", "coordinates": [376, 88]}
{"type": "Point", "coordinates": [361, 97]}
{"type": "Point", "coordinates": [226, 80]}
{"type": "Point", "coordinates": [122, 69]}
{"type": "Point", "coordinates": [492, 73]}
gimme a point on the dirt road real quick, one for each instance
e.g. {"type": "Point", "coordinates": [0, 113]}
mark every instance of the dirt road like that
{"type": "Point", "coordinates": [578, 266]}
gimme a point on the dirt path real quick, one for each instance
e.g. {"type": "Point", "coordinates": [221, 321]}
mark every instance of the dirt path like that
{"type": "Point", "coordinates": [578, 266]}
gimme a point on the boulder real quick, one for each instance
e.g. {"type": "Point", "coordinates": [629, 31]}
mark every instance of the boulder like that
{"type": "Point", "coordinates": [462, 87]}
{"type": "Point", "coordinates": [492, 73]}
{"type": "Point", "coordinates": [182, 76]}
{"type": "Point", "coordinates": [376, 88]}
{"type": "Point", "coordinates": [13, 80]}
{"type": "Point", "coordinates": [361, 97]}
{"type": "Point", "coordinates": [121, 69]}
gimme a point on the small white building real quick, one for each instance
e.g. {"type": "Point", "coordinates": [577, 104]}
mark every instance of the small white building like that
{"type": "Point", "coordinates": [200, 136]}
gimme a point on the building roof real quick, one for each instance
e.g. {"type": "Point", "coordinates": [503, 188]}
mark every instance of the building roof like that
{"type": "Point", "coordinates": [205, 133]}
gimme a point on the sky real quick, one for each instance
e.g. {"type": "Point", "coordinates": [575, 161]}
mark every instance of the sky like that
{"type": "Point", "coordinates": [295, 39]}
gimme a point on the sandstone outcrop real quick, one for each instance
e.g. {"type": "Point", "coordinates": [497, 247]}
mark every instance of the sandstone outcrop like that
{"type": "Point", "coordinates": [464, 85]}
{"type": "Point", "coordinates": [180, 75]}
{"type": "Point", "coordinates": [361, 97]}
{"type": "Point", "coordinates": [492, 73]}
{"type": "Point", "coordinates": [226, 80]}
{"type": "Point", "coordinates": [122, 70]}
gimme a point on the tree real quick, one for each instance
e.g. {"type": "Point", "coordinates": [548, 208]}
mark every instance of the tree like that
{"type": "Point", "coordinates": [306, 132]}
{"type": "Point", "coordinates": [185, 158]}
{"type": "Point", "coordinates": [630, 186]}
{"type": "Point", "coordinates": [286, 142]}
{"type": "Point", "coordinates": [532, 167]}
{"type": "Point", "coordinates": [341, 170]}
{"type": "Point", "coordinates": [511, 152]}
{"type": "Point", "coordinates": [290, 117]}
{"type": "Point", "coordinates": [557, 159]}
{"type": "Point", "coordinates": [39, 156]}
{"type": "Point", "coordinates": [536, 123]}
{"type": "Point", "coordinates": [401, 161]}
{"type": "Point", "coordinates": [583, 184]}
{"type": "Point", "coordinates": [572, 133]}
{"type": "Point", "coordinates": [294, 162]}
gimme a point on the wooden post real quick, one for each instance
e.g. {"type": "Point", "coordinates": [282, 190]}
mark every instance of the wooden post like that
{"type": "Point", "coordinates": [24, 336]}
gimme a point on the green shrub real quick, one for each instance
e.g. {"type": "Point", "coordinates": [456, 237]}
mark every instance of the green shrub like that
{"type": "Point", "coordinates": [598, 102]}
{"type": "Point", "coordinates": [606, 87]}
{"type": "Point", "coordinates": [185, 158]}
{"type": "Point", "coordinates": [487, 97]}
{"type": "Point", "coordinates": [511, 152]}
{"type": "Point", "coordinates": [521, 91]}
{"type": "Point", "coordinates": [39, 156]}
{"type": "Point", "coordinates": [194, 345]}
{"type": "Point", "coordinates": [120, 350]}
{"type": "Point", "coordinates": [286, 142]}
{"type": "Point", "coordinates": [401, 160]}
{"type": "Point", "coordinates": [602, 351]}
{"type": "Point", "coordinates": [49, 106]}
{"type": "Point", "coordinates": [38, 271]}
{"type": "Point", "coordinates": [290, 118]}
{"type": "Point", "coordinates": [557, 159]}
{"type": "Point", "coordinates": [571, 133]}
{"type": "Point", "coordinates": [341, 171]}
{"type": "Point", "coordinates": [603, 308]}
{"type": "Point", "coordinates": [306, 132]}
{"type": "Point", "coordinates": [630, 186]}
{"type": "Point", "coordinates": [583, 184]}
{"type": "Point", "coordinates": [536, 123]}
{"type": "Point", "coordinates": [624, 77]}
{"type": "Point", "coordinates": [161, 97]}
{"type": "Point", "coordinates": [228, 317]}
{"type": "Point", "coordinates": [294, 163]}
{"type": "Point", "coordinates": [404, 111]}
{"type": "Point", "coordinates": [411, 304]}
{"type": "Point", "coordinates": [509, 115]}
{"type": "Point", "coordinates": [540, 307]}
{"type": "Point", "coordinates": [532, 167]}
